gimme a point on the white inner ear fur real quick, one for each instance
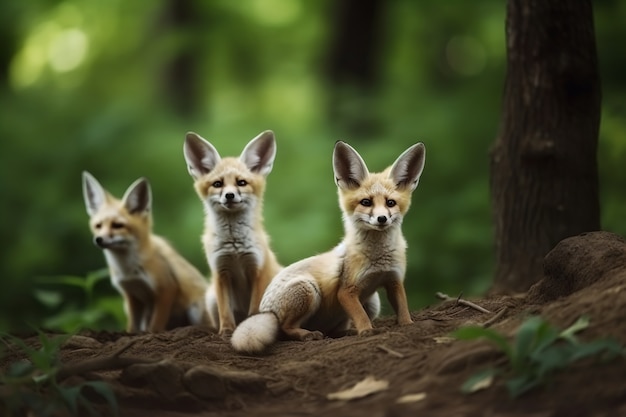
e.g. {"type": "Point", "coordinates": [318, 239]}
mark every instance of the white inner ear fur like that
{"type": "Point", "coordinates": [259, 153]}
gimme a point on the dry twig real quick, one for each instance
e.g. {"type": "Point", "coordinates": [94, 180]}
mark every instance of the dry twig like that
{"type": "Point", "coordinates": [106, 363]}
{"type": "Point", "coordinates": [495, 317]}
{"type": "Point", "coordinates": [390, 351]}
{"type": "Point", "coordinates": [461, 301]}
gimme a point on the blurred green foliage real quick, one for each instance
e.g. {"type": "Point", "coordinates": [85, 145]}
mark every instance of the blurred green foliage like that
{"type": "Point", "coordinates": [112, 87]}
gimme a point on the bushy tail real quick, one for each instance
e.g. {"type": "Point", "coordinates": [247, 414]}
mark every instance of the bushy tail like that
{"type": "Point", "coordinates": [256, 333]}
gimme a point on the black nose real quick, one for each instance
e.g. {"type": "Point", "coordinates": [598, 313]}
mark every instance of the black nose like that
{"type": "Point", "coordinates": [229, 196]}
{"type": "Point", "coordinates": [98, 241]}
{"type": "Point", "coordinates": [382, 219]}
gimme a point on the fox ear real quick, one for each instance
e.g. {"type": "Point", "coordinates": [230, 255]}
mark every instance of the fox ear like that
{"type": "Point", "coordinates": [350, 169]}
{"type": "Point", "coordinates": [138, 197]}
{"type": "Point", "coordinates": [406, 170]}
{"type": "Point", "coordinates": [93, 193]}
{"type": "Point", "coordinates": [201, 156]}
{"type": "Point", "coordinates": [259, 153]}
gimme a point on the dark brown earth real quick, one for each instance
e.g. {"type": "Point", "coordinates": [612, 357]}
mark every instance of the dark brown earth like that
{"type": "Point", "coordinates": [191, 371]}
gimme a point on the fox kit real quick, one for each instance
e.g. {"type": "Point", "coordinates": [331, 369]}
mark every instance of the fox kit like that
{"type": "Point", "coordinates": [237, 247]}
{"type": "Point", "coordinates": [161, 289]}
{"type": "Point", "coordinates": [322, 294]}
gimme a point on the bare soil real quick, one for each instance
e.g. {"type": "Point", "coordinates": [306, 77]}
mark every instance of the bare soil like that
{"type": "Point", "coordinates": [192, 371]}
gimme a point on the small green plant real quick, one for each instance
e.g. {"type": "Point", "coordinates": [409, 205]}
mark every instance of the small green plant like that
{"type": "Point", "coordinates": [536, 352]}
{"type": "Point", "coordinates": [70, 315]}
{"type": "Point", "coordinates": [32, 386]}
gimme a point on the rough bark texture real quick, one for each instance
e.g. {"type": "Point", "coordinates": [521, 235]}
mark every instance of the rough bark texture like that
{"type": "Point", "coordinates": [544, 181]}
{"type": "Point", "coordinates": [353, 64]}
{"type": "Point", "coordinates": [180, 72]}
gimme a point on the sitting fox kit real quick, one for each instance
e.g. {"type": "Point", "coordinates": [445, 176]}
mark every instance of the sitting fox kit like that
{"type": "Point", "coordinates": [236, 244]}
{"type": "Point", "coordinates": [161, 289]}
{"type": "Point", "coordinates": [324, 293]}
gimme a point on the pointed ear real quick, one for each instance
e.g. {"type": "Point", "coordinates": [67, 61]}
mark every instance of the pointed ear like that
{"type": "Point", "coordinates": [350, 169]}
{"type": "Point", "coordinates": [138, 197]}
{"type": "Point", "coordinates": [201, 156]}
{"type": "Point", "coordinates": [406, 171]}
{"type": "Point", "coordinates": [259, 153]}
{"type": "Point", "coordinates": [93, 193]}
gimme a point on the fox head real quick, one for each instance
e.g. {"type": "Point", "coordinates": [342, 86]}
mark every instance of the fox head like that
{"type": "Point", "coordinates": [376, 201]}
{"type": "Point", "coordinates": [230, 184]}
{"type": "Point", "coordinates": [118, 224]}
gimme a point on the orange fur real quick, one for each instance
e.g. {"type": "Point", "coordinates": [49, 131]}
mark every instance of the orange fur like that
{"type": "Point", "coordinates": [160, 288]}
{"type": "Point", "coordinates": [236, 244]}
{"type": "Point", "coordinates": [324, 293]}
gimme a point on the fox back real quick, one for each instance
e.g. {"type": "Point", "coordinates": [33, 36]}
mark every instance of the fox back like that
{"type": "Point", "coordinates": [324, 293]}
{"type": "Point", "coordinates": [160, 288]}
{"type": "Point", "coordinates": [236, 244]}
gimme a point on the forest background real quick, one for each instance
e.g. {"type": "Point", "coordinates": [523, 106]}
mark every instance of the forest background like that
{"type": "Point", "coordinates": [112, 87]}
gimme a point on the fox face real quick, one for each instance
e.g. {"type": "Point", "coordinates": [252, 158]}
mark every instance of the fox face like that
{"type": "Point", "coordinates": [376, 201]}
{"type": "Point", "coordinates": [230, 184]}
{"type": "Point", "coordinates": [118, 224]}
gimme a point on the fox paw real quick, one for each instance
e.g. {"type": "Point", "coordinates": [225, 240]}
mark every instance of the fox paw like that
{"type": "Point", "coordinates": [313, 336]}
{"type": "Point", "coordinates": [226, 334]}
{"type": "Point", "coordinates": [369, 332]}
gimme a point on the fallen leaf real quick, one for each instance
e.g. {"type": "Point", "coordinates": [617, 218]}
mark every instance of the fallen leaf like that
{"type": "Point", "coordinates": [369, 385]}
{"type": "Point", "coordinates": [411, 398]}
{"type": "Point", "coordinates": [479, 381]}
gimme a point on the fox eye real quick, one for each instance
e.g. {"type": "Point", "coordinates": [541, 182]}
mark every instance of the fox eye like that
{"type": "Point", "coordinates": [117, 225]}
{"type": "Point", "coordinates": [217, 184]}
{"type": "Point", "coordinates": [366, 202]}
{"type": "Point", "coordinates": [391, 203]}
{"type": "Point", "coordinates": [98, 225]}
{"type": "Point", "coordinates": [242, 183]}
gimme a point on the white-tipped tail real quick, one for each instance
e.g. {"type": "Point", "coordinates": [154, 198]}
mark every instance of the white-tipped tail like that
{"type": "Point", "coordinates": [256, 333]}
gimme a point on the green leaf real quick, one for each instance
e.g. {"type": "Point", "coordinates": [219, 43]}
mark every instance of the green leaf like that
{"type": "Point", "coordinates": [546, 336]}
{"type": "Point", "coordinates": [580, 324]}
{"type": "Point", "coordinates": [105, 391]}
{"type": "Point", "coordinates": [477, 332]}
{"type": "Point", "coordinates": [20, 369]}
{"type": "Point", "coordinates": [70, 397]}
{"type": "Point", "coordinates": [50, 299]}
{"type": "Point", "coordinates": [525, 340]}
{"type": "Point", "coordinates": [551, 359]}
{"type": "Point", "coordinates": [611, 348]}
{"type": "Point", "coordinates": [519, 385]}
{"type": "Point", "coordinates": [480, 380]}
{"type": "Point", "coordinates": [69, 280]}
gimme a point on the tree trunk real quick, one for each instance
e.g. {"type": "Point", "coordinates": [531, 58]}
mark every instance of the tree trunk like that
{"type": "Point", "coordinates": [180, 72]}
{"type": "Point", "coordinates": [352, 67]}
{"type": "Point", "coordinates": [544, 177]}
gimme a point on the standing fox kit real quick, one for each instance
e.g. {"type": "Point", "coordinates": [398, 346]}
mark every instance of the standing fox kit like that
{"type": "Point", "coordinates": [322, 294]}
{"type": "Point", "coordinates": [236, 244]}
{"type": "Point", "coordinates": [161, 289]}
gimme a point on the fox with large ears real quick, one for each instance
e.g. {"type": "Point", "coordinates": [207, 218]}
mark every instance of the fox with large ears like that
{"type": "Point", "coordinates": [161, 289]}
{"type": "Point", "coordinates": [323, 294]}
{"type": "Point", "coordinates": [236, 244]}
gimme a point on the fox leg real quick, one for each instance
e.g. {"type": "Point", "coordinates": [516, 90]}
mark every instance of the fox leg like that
{"type": "Point", "coordinates": [134, 313]}
{"type": "Point", "coordinates": [397, 298]}
{"type": "Point", "coordinates": [372, 306]}
{"type": "Point", "coordinates": [257, 288]}
{"type": "Point", "coordinates": [161, 310]}
{"type": "Point", "coordinates": [348, 297]}
{"type": "Point", "coordinates": [223, 290]}
{"type": "Point", "coordinates": [298, 303]}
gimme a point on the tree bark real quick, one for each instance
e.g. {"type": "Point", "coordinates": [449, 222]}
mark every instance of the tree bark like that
{"type": "Point", "coordinates": [353, 63]}
{"type": "Point", "coordinates": [544, 176]}
{"type": "Point", "coordinates": [180, 72]}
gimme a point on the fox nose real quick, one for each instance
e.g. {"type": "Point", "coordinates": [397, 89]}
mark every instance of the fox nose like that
{"type": "Point", "coordinates": [98, 241]}
{"type": "Point", "coordinates": [229, 196]}
{"type": "Point", "coordinates": [382, 219]}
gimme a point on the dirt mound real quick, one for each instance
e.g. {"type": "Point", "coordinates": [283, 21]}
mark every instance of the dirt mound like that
{"type": "Point", "coordinates": [417, 369]}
